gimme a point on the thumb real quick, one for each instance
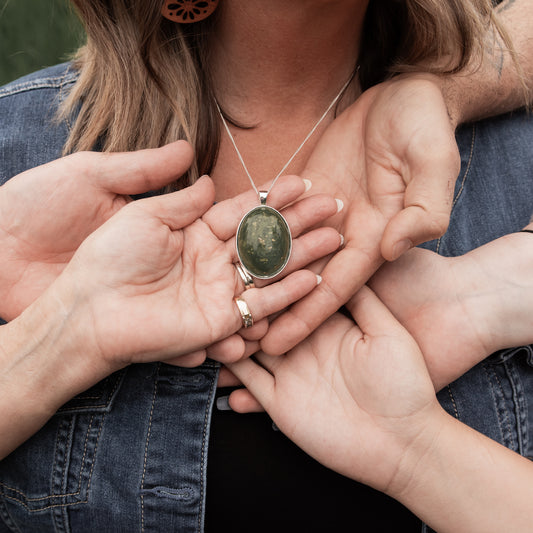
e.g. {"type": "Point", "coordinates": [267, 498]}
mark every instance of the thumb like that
{"type": "Point", "coordinates": [181, 208]}
{"type": "Point", "coordinates": [410, 227]}
{"type": "Point", "coordinates": [143, 170]}
{"type": "Point", "coordinates": [426, 213]}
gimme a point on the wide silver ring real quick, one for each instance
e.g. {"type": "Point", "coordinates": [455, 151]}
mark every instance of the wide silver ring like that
{"type": "Point", "coordinates": [247, 318]}
{"type": "Point", "coordinates": [246, 278]}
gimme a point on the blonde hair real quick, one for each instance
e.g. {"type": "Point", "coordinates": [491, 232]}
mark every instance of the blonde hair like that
{"type": "Point", "coordinates": [128, 96]}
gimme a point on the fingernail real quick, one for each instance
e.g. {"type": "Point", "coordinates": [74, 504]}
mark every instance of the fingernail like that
{"type": "Point", "coordinates": [307, 184]}
{"type": "Point", "coordinates": [340, 205]}
{"type": "Point", "coordinates": [401, 247]}
{"type": "Point", "coordinates": [342, 240]}
{"type": "Point", "coordinates": [318, 279]}
{"type": "Point", "coordinates": [223, 403]}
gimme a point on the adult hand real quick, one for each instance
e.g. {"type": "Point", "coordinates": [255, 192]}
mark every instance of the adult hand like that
{"type": "Point", "coordinates": [46, 212]}
{"type": "Point", "coordinates": [393, 159]}
{"type": "Point", "coordinates": [352, 396]}
{"type": "Point", "coordinates": [156, 281]}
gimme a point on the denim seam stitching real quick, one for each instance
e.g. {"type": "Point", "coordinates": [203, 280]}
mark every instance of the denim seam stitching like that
{"type": "Point", "coordinates": [105, 404]}
{"type": "Point", "coordinates": [467, 171]}
{"type": "Point", "coordinates": [45, 83]}
{"type": "Point", "coordinates": [450, 394]}
{"type": "Point", "coordinates": [54, 496]}
{"type": "Point", "coordinates": [147, 445]}
{"type": "Point", "coordinates": [202, 460]}
{"type": "Point", "coordinates": [61, 91]}
{"type": "Point", "coordinates": [503, 419]}
{"type": "Point", "coordinates": [513, 377]}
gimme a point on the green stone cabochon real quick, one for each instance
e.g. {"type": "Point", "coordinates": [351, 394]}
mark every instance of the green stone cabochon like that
{"type": "Point", "coordinates": [264, 242]}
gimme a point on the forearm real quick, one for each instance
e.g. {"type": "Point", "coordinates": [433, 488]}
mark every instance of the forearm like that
{"type": "Point", "coordinates": [457, 480]}
{"type": "Point", "coordinates": [496, 85]}
{"type": "Point", "coordinates": [44, 363]}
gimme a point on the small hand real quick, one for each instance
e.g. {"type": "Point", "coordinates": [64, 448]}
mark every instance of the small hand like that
{"type": "Point", "coordinates": [46, 212]}
{"type": "Point", "coordinates": [158, 282]}
{"type": "Point", "coordinates": [352, 396]}
{"type": "Point", "coordinates": [393, 159]}
{"type": "Point", "coordinates": [461, 309]}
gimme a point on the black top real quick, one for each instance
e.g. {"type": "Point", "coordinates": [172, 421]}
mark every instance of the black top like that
{"type": "Point", "coordinates": [259, 481]}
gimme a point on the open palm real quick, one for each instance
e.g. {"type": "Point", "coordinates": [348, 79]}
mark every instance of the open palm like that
{"type": "Point", "coordinates": [393, 159]}
{"type": "Point", "coordinates": [159, 282]}
{"type": "Point", "coordinates": [352, 396]}
{"type": "Point", "coordinates": [46, 212]}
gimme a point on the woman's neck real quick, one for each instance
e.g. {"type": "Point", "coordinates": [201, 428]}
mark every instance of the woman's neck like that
{"type": "Point", "coordinates": [280, 55]}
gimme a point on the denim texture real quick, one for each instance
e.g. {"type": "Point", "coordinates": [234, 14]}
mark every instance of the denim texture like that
{"type": "Point", "coordinates": [130, 454]}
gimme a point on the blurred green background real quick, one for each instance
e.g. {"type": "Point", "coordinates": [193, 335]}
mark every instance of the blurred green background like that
{"type": "Point", "coordinates": [36, 34]}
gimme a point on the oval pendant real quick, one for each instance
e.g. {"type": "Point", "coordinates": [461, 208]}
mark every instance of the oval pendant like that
{"type": "Point", "coordinates": [264, 242]}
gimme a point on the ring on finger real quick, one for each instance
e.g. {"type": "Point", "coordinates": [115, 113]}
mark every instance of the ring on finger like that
{"type": "Point", "coordinates": [244, 310]}
{"type": "Point", "coordinates": [246, 278]}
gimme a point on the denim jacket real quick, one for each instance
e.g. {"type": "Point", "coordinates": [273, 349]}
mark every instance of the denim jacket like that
{"type": "Point", "coordinates": [130, 453]}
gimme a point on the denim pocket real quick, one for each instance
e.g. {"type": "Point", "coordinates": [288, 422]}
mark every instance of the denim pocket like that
{"type": "Point", "coordinates": [53, 469]}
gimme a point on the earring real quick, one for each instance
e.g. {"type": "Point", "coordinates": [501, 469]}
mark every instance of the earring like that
{"type": "Point", "coordinates": [188, 11]}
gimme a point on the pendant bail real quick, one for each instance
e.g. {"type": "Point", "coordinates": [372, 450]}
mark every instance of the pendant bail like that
{"type": "Point", "coordinates": [263, 197]}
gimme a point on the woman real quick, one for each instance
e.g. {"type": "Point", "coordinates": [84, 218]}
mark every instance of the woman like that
{"type": "Point", "coordinates": [277, 67]}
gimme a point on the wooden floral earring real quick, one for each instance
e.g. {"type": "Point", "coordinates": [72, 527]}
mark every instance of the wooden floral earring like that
{"type": "Point", "coordinates": [188, 11]}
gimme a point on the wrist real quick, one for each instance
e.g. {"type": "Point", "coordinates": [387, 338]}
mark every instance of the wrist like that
{"type": "Point", "coordinates": [503, 300]}
{"type": "Point", "coordinates": [449, 89]}
{"type": "Point", "coordinates": [45, 361]}
{"type": "Point", "coordinates": [418, 455]}
{"type": "Point", "coordinates": [47, 344]}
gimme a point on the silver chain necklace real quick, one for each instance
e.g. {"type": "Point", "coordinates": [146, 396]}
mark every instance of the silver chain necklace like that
{"type": "Point", "coordinates": [264, 241]}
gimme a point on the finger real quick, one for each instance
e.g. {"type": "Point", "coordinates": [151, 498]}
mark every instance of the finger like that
{"type": "Point", "coordinates": [190, 360]}
{"type": "Point", "coordinates": [307, 250]}
{"type": "Point", "coordinates": [256, 332]}
{"type": "Point", "coordinates": [181, 208]}
{"type": "Point", "coordinates": [259, 382]}
{"type": "Point", "coordinates": [224, 217]}
{"type": "Point", "coordinates": [411, 226]}
{"type": "Point", "coordinates": [242, 401]}
{"type": "Point", "coordinates": [268, 362]}
{"type": "Point", "coordinates": [228, 350]}
{"type": "Point", "coordinates": [427, 203]}
{"type": "Point", "coordinates": [311, 247]}
{"type": "Point", "coordinates": [232, 349]}
{"type": "Point", "coordinates": [340, 280]}
{"type": "Point", "coordinates": [308, 212]}
{"type": "Point", "coordinates": [226, 378]}
{"type": "Point", "coordinates": [273, 298]}
{"type": "Point", "coordinates": [143, 170]}
{"type": "Point", "coordinates": [372, 315]}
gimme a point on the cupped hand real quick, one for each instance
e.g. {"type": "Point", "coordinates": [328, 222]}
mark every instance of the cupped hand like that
{"type": "Point", "coordinates": [354, 397]}
{"type": "Point", "coordinates": [393, 159]}
{"type": "Point", "coordinates": [46, 212]}
{"type": "Point", "coordinates": [156, 281]}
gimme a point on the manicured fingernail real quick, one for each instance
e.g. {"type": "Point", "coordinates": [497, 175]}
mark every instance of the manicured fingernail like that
{"type": "Point", "coordinates": [340, 205]}
{"type": "Point", "coordinates": [223, 403]}
{"type": "Point", "coordinates": [318, 279]}
{"type": "Point", "coordinates": [307, 184]}
{"type": "Point", "coordinates": [342, 240]}
{"type": "Point", "coordinates": [401, 247]}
